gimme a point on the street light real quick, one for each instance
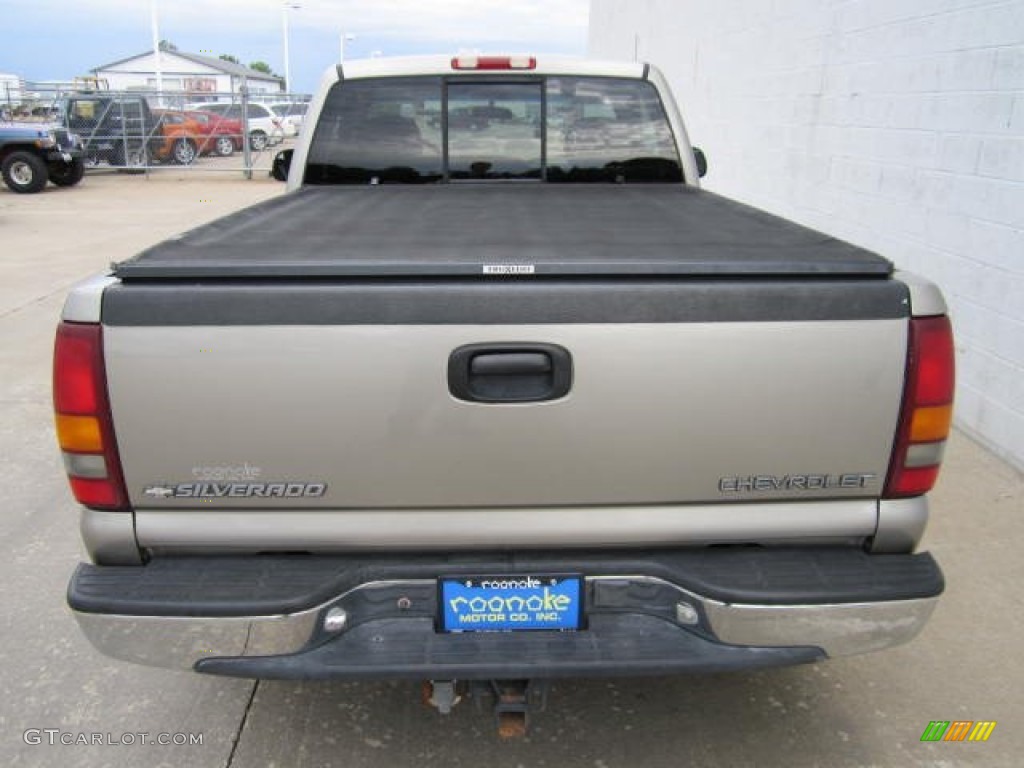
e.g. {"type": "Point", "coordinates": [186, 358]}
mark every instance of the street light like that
{"type": "Point", "coordinates": [285, 7]}
{"type": "Point", "coordinates": [345, 36]}
{"type": "Point", "coordinates": [154, 28]}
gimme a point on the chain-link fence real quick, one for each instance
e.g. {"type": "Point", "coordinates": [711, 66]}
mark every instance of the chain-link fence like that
{"type": "Point", "coordinates": [147, 130]}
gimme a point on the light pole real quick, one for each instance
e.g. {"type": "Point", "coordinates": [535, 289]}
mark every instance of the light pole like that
{"type": "Point", "coordinates": [154, 28]}
{"type": "Point", "coordinates": [345, 36]}
{"type": "Point", "coordinates": [285, 7]}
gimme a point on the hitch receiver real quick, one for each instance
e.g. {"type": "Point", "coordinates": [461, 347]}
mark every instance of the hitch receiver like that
{"type": "Point", "coordinates": [513, 702]}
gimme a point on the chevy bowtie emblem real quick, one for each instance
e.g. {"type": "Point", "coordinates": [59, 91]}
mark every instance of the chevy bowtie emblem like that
{"type": "Point", "coordinates": [160, 491]}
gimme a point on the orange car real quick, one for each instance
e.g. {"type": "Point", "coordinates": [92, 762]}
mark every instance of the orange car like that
{"type": "Point", "coordinates": [221, 135]}
{"type": "Point", "coordinates": [178, 138]}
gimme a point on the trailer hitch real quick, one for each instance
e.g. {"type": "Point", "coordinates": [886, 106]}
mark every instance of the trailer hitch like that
{"type": "Point", "coordinates": [512, 700]}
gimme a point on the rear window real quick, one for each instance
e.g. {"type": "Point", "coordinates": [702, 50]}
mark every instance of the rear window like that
{"type": "Point", "coordinates": [600, 129]}
{"type": "Point", "coordinates": [430, 129]}
{"type": "Point", "coordinates": [373, 131]}
{"type": "Point", "coordinates": [494, 130]}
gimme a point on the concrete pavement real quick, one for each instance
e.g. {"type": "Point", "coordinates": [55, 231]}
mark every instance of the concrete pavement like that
{"type": "Point", "coordinates": [862, 711]}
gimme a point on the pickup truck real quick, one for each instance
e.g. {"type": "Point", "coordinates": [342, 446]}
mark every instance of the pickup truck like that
{"type": "Point", "coordinates": [123, 130]}
{"type": "Point", "coordinates": [496, 394]}
{"type": "Point", "coordinates": [116, 128]}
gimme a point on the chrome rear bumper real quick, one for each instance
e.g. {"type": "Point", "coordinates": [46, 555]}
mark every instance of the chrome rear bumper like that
{"type": "Point", "coordinates": [181, 642]}
{"type": "Point", "coordinates": [216, 642]}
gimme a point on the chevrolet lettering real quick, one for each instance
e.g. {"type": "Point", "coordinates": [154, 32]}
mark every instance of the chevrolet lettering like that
{"type": "Point", "coordinates": [794, 482]}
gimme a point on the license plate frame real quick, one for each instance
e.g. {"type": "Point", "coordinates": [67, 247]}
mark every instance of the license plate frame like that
{"type": "Point", "coordinates": [510, 603]}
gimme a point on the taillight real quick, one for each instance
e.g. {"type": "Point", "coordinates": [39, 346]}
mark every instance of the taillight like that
{"type": "Point", "coordinates": [85, 431]}
{"type": "Point", "coordinates": [927, 410]}
{"type": "Point", "coordinates": [494, 62]}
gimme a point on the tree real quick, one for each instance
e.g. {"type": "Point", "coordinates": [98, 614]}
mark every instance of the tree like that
{"type": "Point", "coordinates": [262, 66]}
{"type": "Point", "coordinates": [167, 45]}
{"type": "Point", "coordinates": [229, 57]}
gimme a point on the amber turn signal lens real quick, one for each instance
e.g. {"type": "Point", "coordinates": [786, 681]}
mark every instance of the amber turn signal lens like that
{"type": "Point", "coordinates": [931, 423]}
{"type": "Point", "coordinates": [79, 434]}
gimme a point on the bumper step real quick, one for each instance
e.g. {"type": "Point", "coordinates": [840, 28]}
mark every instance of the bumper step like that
{"type": "Point", "coordinates": [283, 584]}
{"type": "Point", "coordinates": [619, 645]}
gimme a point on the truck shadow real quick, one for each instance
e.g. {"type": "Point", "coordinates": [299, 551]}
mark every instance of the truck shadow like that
{"type": "Point", "coordinates": [795, 716]}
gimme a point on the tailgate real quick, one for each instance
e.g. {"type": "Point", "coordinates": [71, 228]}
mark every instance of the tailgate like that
{"type": "Point", "coordinates": [337, 394]}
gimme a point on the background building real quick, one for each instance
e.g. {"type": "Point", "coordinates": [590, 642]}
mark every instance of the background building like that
{"type": "Point", "coordinates": [896, 125]}
{"type": "Point", "coordinates": [189, 72]}
{"type": "Point", "coordinates": [11, 90]}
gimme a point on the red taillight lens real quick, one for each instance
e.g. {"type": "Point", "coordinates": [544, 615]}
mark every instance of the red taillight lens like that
{"type": "Point", "coordinates": [933, 338]}
{"type": "Point", "coordinates": [494, 62]}
{"type": "Point", "coordinates": [94, 493]}
{"type": "Point", "coordinates": [84, 427]}
{"type": "Point", "coordinates": [74, 390]}
{"type": "Point", "coordinates": [927, 410]}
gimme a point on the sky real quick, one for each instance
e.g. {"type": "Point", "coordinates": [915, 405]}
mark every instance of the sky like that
{"type": "Point", "coordinates": [61, 39]}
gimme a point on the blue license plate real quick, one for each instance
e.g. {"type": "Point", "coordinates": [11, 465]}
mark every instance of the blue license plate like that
{"type": "Point", "coordinates": [510, 603]}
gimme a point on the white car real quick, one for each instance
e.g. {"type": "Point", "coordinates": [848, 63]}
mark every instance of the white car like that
{"type": "Point", "coordinates": [265, 128]}
{"type": "Point", "coordinates": [291, 114]}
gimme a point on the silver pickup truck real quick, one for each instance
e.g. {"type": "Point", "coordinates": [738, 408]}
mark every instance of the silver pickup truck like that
{"type": "Point", "coordinates": [495, 392]}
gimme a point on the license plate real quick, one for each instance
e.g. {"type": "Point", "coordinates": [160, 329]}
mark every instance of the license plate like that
{"type": "Point", "coordinates": [510, 603]}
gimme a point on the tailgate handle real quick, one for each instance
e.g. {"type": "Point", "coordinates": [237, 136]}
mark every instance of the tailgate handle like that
{"type": "Point", "coordinates": [510, 364]}
{"type": "Point", "coordinates": [509, 373]}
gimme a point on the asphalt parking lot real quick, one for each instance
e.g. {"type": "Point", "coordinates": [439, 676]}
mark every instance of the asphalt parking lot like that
{"type": "Point", "coordinates": [861, 711]}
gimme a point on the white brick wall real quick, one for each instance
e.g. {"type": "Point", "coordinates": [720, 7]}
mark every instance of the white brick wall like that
{"type": "Point", "coordinates": [895, 124]}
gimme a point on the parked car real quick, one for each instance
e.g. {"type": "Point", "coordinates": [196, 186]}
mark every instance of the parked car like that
{"type": "Point", "coordinates": [264, 128]}
{"type": "Point", "coordinates": [32, 154]}
{"type": "Point", "coordinates": [292, 114]}
{"type": "Point", "coordinates": [181, 137]}
{"type": "Point", "coordinates": [220, 135]}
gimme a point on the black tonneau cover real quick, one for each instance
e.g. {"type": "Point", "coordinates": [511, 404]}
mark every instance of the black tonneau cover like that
{"type": "Point", "coordinates": [501, 228]}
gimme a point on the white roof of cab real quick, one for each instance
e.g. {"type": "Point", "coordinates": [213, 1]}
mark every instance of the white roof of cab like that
{"type": "Point", "coordinates": [442, 65]}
